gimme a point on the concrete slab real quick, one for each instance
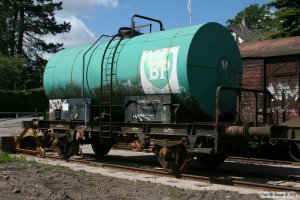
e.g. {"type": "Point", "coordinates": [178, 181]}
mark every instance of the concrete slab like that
{"type": "Point", "coordinates": [12, 126]}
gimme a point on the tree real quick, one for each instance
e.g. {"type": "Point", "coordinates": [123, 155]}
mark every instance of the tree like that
{"type": "Point", "coordinates": [258, 18]}
{"type": "Point", "coordinates": [10, 71]}
{"type": "Point", "coordinates": [23, 24]}
{"type": "Point", "coordinates": [288, 14]}
{"type": "Point", "coordinates": [26, 22]}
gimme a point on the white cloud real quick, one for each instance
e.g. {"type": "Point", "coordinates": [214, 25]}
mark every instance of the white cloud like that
{"type": "Point", "coordinates": [78, 35]}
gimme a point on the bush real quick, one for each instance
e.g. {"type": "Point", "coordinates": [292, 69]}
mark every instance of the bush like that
{"type": "Point", "coordinates": [23, 100]}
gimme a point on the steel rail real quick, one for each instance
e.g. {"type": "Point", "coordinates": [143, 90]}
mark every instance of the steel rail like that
{"type": "Point", "coordinates": [203, 179]}
{"type": "Point", "coordinates": [261, 161]}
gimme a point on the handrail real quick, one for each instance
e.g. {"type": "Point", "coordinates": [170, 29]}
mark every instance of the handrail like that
{"type": "Point", "coordinates": [83, 62]}
{"type": "Point", "coordinates": [146, 18]}
{"type": "Point", "coordinates": [238, 92]}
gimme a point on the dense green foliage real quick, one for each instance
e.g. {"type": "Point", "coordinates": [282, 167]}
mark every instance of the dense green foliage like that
{"type": "Point", "coordinates": [23, 101]}
{"type": "Point", "coordinates": [256, 18]}
{"type": "Point", "coordinates": [11, 71]}
{"type": "Point", "coordinates": [23, 24]}
{"type": "Point", "coordinates": [288, 13]}
{"type": "Point", "coordinates": [279, 18]}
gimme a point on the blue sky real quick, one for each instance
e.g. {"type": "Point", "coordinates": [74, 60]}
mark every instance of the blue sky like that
{"type": "Point", "coordinates": [91, 18]}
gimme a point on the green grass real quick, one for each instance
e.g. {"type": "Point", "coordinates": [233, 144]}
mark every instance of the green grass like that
{"type": "Point", "coordinates": [5, 157]}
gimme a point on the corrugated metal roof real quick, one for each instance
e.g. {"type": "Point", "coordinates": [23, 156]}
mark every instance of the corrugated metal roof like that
{"type": "Point", "coordinates": [269, 48]}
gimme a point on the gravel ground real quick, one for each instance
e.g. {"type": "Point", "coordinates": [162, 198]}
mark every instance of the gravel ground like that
{"type": "Point", "coordinates": [48, 179]}
{"type": "Point", "coordinates": [36, 181]}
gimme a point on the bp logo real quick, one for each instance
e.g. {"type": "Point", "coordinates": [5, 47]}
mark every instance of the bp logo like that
{"type": "Point", "coordinates": [158, 70]}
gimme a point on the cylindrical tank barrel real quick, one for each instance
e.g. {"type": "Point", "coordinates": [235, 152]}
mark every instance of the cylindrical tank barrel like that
{"type": "Point", "coordinates": [189, 63]}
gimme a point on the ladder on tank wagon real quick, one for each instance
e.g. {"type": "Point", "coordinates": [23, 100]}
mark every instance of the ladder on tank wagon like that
{"type": "Point", "coordinates": [107, 73]}
{"type": "Point", "coordinates": [106, 80]}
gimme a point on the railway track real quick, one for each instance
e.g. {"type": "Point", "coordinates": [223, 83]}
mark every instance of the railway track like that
{"type": "Point", "coordinates": [230, 179]}
{"type": "Point", "coordinates": [261, 169]}
{"type": "Point", "coordinates": [231, 170]}
{"type": "Point", "coordinates": [247, 160]}
{"type": "Point", "coordinates": [261, 161]}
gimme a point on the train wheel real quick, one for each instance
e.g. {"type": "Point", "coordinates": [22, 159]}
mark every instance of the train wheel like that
{"type": "Point", "coordinates": [211, 161]}
{"type": "Point", "coordinates": [65, 148]}
{"type": "Point", "coordinates": [294, 151]}
{"type": "Point", "coordinates": [173, 160]}
{"type": "Point", "coordinates": [101, 147]}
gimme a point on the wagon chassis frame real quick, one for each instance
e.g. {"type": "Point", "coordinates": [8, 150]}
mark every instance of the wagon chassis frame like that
{"type": "Point", "coordinates": [165, 133]}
